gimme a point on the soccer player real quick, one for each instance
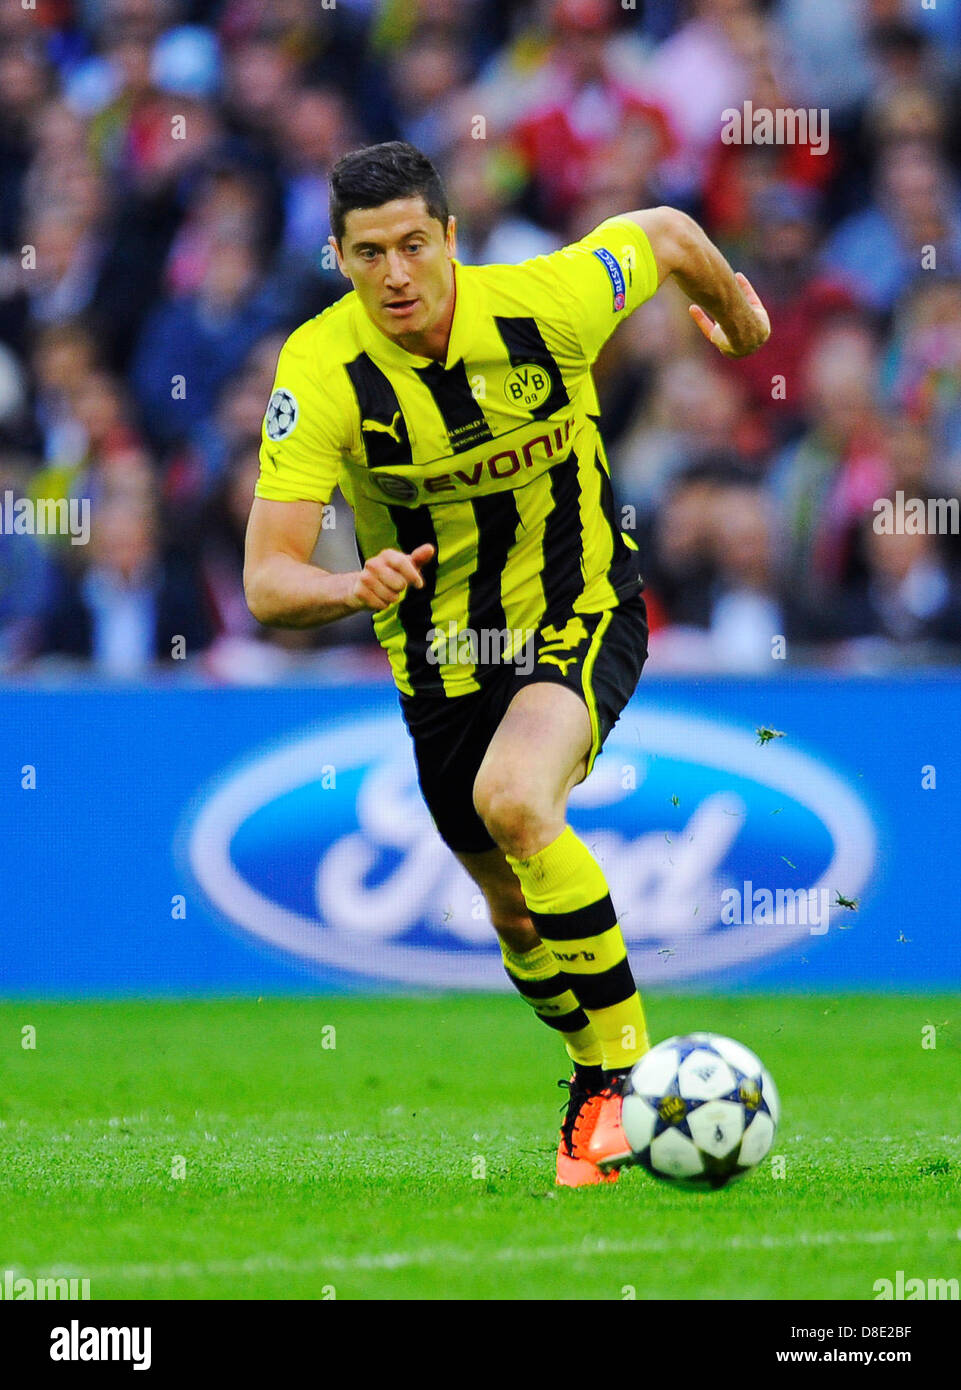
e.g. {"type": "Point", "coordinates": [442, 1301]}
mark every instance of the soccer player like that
{"type": "Point", "coordinates": [454, 406]}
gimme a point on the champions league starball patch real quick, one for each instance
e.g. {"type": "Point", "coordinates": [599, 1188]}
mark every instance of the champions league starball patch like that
{"type": "Point", "coordinates": [281, 417]}
{"type": "Point", "coordinates": [615, 274]}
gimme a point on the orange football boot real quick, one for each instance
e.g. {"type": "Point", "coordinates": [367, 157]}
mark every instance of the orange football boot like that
{"type": "Point", "coordinates": [601, 1139]}
{"type": "Point", "coordinates": [573, 1168]}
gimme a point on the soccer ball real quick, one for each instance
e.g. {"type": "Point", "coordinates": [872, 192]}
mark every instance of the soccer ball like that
{"type": "Point", "coordinates": [700, 1110]}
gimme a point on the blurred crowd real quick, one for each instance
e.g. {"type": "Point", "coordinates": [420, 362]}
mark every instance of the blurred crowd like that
{"type": "Point", "coordinates": [163, 226]}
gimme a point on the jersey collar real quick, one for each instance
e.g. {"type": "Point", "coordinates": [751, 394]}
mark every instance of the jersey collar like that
{"type": "Point", "coordinates": [466, 308]}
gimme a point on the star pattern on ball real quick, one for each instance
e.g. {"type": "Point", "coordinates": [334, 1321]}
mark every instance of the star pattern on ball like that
{"type": "Point", "coordinates": [674, 1110]}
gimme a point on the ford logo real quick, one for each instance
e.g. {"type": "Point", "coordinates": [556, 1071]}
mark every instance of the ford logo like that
{"type": "Point", "coordinates": [324, 849]}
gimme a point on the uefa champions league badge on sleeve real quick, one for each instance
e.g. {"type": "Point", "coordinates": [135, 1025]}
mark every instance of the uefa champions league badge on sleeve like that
{"type": "Point", "coordinates": [615, 274]}
{"type": "Point", "coordinates": [281, 417]}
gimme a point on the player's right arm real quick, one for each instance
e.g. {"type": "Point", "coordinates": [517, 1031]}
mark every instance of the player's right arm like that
{"type": "Point", "coordinates": [284, 589]}
{"type": "Point", "coordinates": [306, 433]}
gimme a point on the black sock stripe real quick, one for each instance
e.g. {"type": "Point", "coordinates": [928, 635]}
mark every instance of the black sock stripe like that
{"type": "Point", "coordinates": [571, 1022]}
{"type": "Point", "coordinates": [538, 989]}
{"type": "Point", "coordinates": [582, 922]}
{"type": "Point", "coordinates": [601, 991]}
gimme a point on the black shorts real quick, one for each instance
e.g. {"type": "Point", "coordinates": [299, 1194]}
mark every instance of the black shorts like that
{"type": "Point", "coordinates": [451, 735]}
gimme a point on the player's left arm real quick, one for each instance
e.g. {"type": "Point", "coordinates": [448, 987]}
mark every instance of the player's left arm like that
{"type": "Point", "coordinates": [725, 305]}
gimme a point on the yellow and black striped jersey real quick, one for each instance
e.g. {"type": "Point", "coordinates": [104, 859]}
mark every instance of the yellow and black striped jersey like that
{"type": "Point", "coordinates": [493, 456]}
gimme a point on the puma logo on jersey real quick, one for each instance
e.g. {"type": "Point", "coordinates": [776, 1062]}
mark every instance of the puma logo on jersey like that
{"type": "Point", "coordinates": [385, 429]}
{"type": "Point", "coordinates": [561, 661]}
{"type": "Point", "coordinates": [571, 635]}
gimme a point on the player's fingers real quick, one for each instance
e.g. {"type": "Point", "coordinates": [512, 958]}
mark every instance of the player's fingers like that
{"type": "Point", "coordinates": [409, 572]}
{"type": "Point", "coordinates": [750, 293]}
{"type": "Point", "coordinates": [753, 298]}
{"type": "Point", "coordinates": [387, 557]}
{"type": "Point", "coordinates": [388, 572]}
{"type": "Point", "coordinates": [418, 558]}
{"type": "Point", "coordinates": [391, 562]}
{"type": "Point", "coordinates": [376, 594]}
{"type": "Point", "coordinates": [422, 555]}
{"type": "Point", "coordinates": [704, 321]}
{"type": "Point", "coordinates": [712, 331]}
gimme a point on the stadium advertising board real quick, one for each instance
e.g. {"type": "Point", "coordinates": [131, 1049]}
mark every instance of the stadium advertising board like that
{"type": "Point", "coordinates": [201, 841]}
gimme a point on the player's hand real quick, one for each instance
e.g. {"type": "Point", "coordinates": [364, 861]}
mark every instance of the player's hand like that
{"type": "Point", "coordinates": [754, 327]}
{"type": "Point", "coordinates": [385, 578]}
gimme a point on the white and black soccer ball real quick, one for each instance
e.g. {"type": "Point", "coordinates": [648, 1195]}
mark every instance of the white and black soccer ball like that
{"type": "Point", "coordinates": [700, 1110]}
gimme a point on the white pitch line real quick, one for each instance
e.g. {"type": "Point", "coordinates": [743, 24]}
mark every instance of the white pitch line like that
{"type": "Point", "coordinates": [446, 1255]}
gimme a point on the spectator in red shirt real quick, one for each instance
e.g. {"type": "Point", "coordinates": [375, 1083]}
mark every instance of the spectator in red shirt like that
{"type": "Point", "coordinates": [588, 106]}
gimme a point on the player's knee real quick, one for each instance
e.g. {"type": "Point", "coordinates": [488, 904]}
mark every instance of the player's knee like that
{"type": "Point", "coordinates": [511, 814]}
{"type": "Point", "coordinates": [498, 803]}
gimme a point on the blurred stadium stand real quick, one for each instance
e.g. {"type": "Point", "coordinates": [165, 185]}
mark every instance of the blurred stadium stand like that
{"type": "Point", "coordinates": [156, 256]}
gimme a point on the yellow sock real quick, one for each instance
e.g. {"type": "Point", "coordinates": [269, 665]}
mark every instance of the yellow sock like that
{"type": "Point", "coordinates": [570, 906]}
{"type": "Point", "coordinates": [536, 977]}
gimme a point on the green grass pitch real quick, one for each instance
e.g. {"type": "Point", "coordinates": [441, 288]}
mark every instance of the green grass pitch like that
{"type": "Point", "coordinates": [414, 1159]}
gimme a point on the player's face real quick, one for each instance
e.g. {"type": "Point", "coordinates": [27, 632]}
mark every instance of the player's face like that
{"type": "Point", "coordinates": [398, 259]}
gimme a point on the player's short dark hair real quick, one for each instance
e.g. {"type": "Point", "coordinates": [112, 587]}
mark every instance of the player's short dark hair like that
{"type": "Point", "coordinates": [377, 174]}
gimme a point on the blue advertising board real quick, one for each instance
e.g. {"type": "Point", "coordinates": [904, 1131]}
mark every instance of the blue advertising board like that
{"type": "Point", "coordinates": [169, 841]}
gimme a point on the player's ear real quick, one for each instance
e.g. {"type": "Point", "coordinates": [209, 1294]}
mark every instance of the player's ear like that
{"type": "Point", "coordinates": [332, 241]}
